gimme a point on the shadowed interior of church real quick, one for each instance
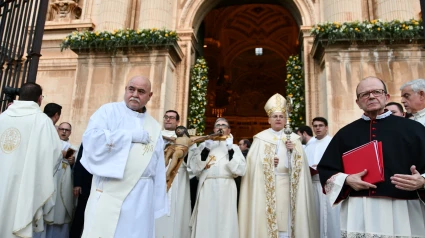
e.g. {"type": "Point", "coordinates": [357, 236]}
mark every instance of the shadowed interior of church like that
{"type": "Point", "coordinates": [241, 77]}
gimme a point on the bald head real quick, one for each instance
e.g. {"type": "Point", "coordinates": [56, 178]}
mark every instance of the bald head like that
{"type": "Point", "coordinates": [137, 93]}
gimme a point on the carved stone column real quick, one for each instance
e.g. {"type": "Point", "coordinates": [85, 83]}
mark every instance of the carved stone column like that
{"type": "Point", "coordinates": [113, 14]}
{"type": "Point", "coordinates": [157, 13]}
{"type": "Point", "coordinates": [388, 10]}
{"type": "Point", "coordinates": [342, 10]}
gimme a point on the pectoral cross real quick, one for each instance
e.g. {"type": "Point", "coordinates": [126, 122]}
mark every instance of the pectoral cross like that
{"type": "Point", "coordinates": [110, 147]}
{"type": "Point", "coordinates": [210, 162]}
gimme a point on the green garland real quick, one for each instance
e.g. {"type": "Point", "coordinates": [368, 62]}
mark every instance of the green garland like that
{"type": "Point", "coordinates": [198, 96]}
{"type": "Point", "coordinates": [295, 90]}
{"type": "Point", "coordinates": [370, 30]}
{"type": "Point", "coordinates": [111, 41]}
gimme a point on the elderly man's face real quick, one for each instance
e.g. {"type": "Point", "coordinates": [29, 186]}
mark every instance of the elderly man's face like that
{"type": "Point", "coordinates": [137, 93]}
{"type": "Point", "coordinates": [394, 109]}
{"type": "Point", "coordinates": [371, 95]}
{"type": "Point", "coordinates": [412, 102]}
{"type": "Point", "coordinates": [277, 121]}
{"type": "Point", "coordinates": [64, 131]}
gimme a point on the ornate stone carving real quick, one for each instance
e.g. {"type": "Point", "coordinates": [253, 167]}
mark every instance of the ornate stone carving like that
{"type": "Point", "coordinates": [62, 10]}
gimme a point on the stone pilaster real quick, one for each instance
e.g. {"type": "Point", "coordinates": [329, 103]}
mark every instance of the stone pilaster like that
{"type": "Point", "coordinates": [113, 14]}
{"type": "Point", "coordinates": [342, 10]}
{"type": "Point", "coordinates": [157, 13]}
{"type": "Point", "coordinates": [388, 10]}
{"type": "Point", "coordinates": [343, 65]}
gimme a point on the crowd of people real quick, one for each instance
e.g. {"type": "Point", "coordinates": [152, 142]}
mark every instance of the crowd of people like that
{"type": "Point", "coordinates": [279, 184]}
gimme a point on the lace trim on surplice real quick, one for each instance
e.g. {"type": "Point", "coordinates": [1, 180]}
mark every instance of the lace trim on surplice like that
{"type": "Point", "coordinates": [345, 234]}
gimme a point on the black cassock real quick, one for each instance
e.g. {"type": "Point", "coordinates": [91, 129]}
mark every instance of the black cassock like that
{"type": "Point", "coordinates": [403, 145]}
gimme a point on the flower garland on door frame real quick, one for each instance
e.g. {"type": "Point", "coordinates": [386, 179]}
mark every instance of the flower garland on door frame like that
{"type": "Point", "coordinates": [198, 96]}
{"type": "Point", "coordinates": [295, 89]}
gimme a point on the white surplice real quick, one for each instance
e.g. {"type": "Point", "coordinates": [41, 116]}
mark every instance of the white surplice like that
{"type": "Point", "coordinates": [215, 213]}
{"type": "Point", "coordinates": [419, 116]}
{"type": "Point", "coordinates": [397, 217]}
{"type": "Point", "coordinates": [176, 222]}
{"type": "Point", "coordinates": [329, 217]}
{"type": "Point", "coordinates": [107, 150]}
{"type": "Point", "coordinates": [29, 153]}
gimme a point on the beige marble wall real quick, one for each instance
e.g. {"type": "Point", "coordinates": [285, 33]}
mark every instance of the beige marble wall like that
{"type": "Point", "coordinates": [342, 10]}
{"type": "Point", "coordinates": [388, 10]}
{"type": "Point", "coordinates": [342, 67]}
{"type": "Point", "coordinates": [91, 80]}
{"type": "Point", "coordinates": [157, 13]}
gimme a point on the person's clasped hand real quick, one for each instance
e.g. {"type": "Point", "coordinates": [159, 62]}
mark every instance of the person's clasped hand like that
{"type": "Point", "coordinates": [141, 136]}
{"type": "Point", "coordinates": [229, 143]}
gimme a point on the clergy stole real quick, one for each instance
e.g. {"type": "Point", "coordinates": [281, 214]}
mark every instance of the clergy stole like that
{"type": "Point", "coordinates": [281, 192]}
{"type": "Point", "coordinates": [105, 212]}
{"type": "Point", "coordinates": [216, 154]}
{"type": "Point", "coordinates": [282, 189]}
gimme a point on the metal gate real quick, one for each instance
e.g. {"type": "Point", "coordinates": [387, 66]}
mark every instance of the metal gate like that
{"type": "Point", "coordinates": [21, 34]}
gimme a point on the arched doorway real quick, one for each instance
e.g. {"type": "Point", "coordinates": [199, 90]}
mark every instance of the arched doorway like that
{"type": "Point", "coordinates": [246, 47]}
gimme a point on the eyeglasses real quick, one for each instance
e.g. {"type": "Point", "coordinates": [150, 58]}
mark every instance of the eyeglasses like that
{"type": "Point", "coordinates": [375, 92]}
{"type": "Point", "coordinates": [278, 116]}
{"type": "Point", "coordinates": [64, 129]}
{"type": "Point", "coordinates": [169, 117]}
{"type": "Point", "coordinates": [319, 125]}
{"type": "Point", "coordinates": [221, 125]}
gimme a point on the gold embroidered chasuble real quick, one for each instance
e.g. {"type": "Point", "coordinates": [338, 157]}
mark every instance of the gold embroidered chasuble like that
{"type": "Point", "coordinates": [264, 207]}
{"type": "Point", "coordinates": [30, 149]}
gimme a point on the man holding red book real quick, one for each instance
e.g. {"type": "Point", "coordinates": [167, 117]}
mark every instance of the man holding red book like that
{"type": "Point", "coordinates": [389, 208]}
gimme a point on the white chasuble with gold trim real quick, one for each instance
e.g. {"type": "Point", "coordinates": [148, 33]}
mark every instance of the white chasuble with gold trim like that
{"type": "Point", "coordinates": [30, 149]}
{"type": "Point", "coordinates": [272, 202]}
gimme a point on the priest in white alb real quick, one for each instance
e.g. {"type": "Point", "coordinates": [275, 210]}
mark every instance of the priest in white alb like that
{"type": "Point", "coordinates": [176, 222]}
{"type": "Point", "coordinates": [274, 200]}
{"type": "Point", "coordinates": [30, 150]}
{"type": "Point", "coordinates": [123, 149]}
{"type": "Point", "coordinates": [215, 213]}
{"type": "Point", "coordinates": [328, 215]}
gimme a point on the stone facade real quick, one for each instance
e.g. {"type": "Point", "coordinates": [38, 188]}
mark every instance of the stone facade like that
{"type": "Point", "coordinates": [82, 81]}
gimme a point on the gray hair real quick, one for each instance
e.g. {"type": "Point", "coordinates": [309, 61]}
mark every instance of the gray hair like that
{"type": "Point", "coordinates": [417, 85]}
{"type": "Point", "coordinates": [222, 119]}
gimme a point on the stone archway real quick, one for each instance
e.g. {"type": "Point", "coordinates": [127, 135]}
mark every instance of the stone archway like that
{"type": "Point", "coordinates": [193, 12]}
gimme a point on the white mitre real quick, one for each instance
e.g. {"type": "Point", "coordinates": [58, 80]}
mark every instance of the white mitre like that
{"type": "Point", "coordinates": [277, 103]}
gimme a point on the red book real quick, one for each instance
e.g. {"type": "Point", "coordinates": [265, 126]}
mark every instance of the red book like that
{"type": "Point", "coordinates": [367, 156]}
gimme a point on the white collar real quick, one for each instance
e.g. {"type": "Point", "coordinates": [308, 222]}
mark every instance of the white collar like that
{"type": "Point", "coordinates": [419, 114]}
{"type": "Point", "coordinates": [381, 116]}
{"type": "Point", "coordinates": [134, 113]}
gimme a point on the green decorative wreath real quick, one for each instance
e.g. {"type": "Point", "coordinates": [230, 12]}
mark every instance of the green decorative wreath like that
{"type": "Point", "coordinates": [295, 90]}
{"type": "Point", "coordinates": [370, 30]}
{"type": "Point", "coordinates": [111, 41]}
{"type": "Point", "coordinates": [198, 96]}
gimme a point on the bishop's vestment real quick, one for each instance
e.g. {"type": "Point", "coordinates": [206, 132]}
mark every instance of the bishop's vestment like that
{"type": "Point", "coordinates": [274, 202]}
{"type": "Point", "coordinates": [30, 150]}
